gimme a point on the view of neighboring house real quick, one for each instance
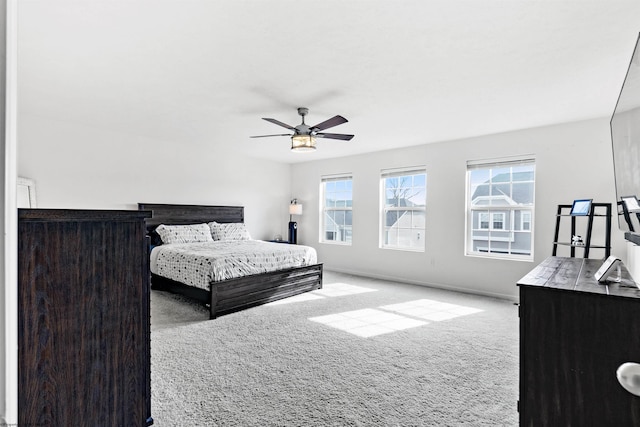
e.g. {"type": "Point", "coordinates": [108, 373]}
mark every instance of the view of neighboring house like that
{"type": "Point", "coordinates": [501, 210]}
{"type": "Point", "coordinates": [338, 223]}
{"type": "Point", "coordinates": [404, 228]}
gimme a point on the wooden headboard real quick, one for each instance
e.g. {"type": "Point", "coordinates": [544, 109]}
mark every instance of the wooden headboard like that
{"type": "Point", "coordinates": [189, 214]}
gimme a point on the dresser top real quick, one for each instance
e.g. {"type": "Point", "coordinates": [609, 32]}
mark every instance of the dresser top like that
{"type": "Point", "coordinates": [75, 215]}
{"type": "Point", "coordinates": [576, 274]}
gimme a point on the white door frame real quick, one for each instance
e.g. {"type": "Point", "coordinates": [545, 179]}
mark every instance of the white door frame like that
{"type": "Point", "coordinates": [9, 261]}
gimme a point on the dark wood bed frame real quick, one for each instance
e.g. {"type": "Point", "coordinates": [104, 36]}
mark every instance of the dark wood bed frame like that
{"type": "Point", "coordinates": [234, 294]}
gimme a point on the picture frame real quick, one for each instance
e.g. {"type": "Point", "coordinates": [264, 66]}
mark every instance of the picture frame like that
{"type": "Point", "coordinates": [26, 193]}
{"type": "Point", "coordinates": [608, 267]}
{"type": "Point", "coordinates": [581, 207]}
{"type": "Point", "coordinates": [631, 203]}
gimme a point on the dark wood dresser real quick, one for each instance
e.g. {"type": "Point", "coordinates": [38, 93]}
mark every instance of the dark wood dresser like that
{"type": "Point", "coordinates": [574, 334]}
{"type": "Point", "coordinates": [83, 318]}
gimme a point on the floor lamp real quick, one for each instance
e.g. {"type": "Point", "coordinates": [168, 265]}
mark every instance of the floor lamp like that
{"type": "Point", "coordinates": [294, 209]}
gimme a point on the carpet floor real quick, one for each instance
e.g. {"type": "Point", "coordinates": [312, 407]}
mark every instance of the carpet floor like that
{"type": "Point", "coordinates": [359, 352]}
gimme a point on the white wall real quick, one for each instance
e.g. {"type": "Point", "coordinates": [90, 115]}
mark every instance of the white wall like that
{"type": "Point", "coordinates": [81, 167]}
{"type": "Point", "coordinates": [77, 166]}
{"type": "Point", "coordinates": [572, 161]}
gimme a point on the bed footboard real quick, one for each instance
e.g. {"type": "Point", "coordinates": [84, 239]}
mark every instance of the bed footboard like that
{"type": "Point", "coordinates": [249, 291]}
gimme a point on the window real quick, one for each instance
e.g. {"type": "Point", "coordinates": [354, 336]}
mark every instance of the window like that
{"type": "Point", "coordinates": [403, 201]}
{"type": "Point", "coordinates": [500, 206]}
{"type": "Point", "coordinates": [336, 194]}
{"type": "Point", "coordinates": [484, 220]}
{"type": "Point", "coordinates": [497, 219]}
{"type": "Point", "coordinates": [525, 220]}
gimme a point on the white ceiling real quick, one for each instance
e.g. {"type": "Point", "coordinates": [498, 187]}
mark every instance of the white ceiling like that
{"type": "Point", "coordinates": [202, 73]}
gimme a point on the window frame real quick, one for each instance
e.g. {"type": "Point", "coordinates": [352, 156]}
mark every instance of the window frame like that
{"type": "Point", "coordinates": [384, 209]}
{"type": "Point", "coordinates": [510, 228]}
{"type": "Point", "coordinates": [322, 231]}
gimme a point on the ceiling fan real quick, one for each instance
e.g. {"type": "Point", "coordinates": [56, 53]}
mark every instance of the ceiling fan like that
{"type": "Point", "coordinates": [304, 137]}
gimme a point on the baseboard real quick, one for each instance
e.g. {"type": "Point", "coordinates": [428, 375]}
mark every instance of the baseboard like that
{"type": "Point", "coordinates": [425, 284]}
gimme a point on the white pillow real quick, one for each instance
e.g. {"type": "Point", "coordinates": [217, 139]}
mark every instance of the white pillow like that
{"type": "Point", "coordinates": [191, 233]}
{"type": "Point", "coordinates": [231, 231]}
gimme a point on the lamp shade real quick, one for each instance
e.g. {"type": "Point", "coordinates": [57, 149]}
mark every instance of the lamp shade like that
{"type": "Point", "coordinates": [295, 209]}
{"type": "Point", "coordinates": [303, 143]}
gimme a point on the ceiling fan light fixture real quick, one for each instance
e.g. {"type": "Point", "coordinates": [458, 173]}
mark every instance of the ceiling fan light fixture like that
{"type": "Point", "coordinates": [301, 143]}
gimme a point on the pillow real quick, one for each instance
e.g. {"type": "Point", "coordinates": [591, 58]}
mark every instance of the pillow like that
{"type": "Point", "coordinates": [231, 231]}
{"type": "Point", "coordinates": [191, 233]}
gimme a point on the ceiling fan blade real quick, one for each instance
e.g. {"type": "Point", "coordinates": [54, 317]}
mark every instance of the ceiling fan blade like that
{"type": "Point", "coordinates": [279, 123]}
{"type": "Point", "coordinates": [342, 136]}
{"type": "Point", "coordinates": [333, 121]}
{"type": "Point", "coordinates": [266, 136]}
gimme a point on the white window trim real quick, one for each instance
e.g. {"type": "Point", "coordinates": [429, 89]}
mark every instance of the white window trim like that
{"type": "Point", "coordinates": [397, 172]}
{"type": "Point", "coordinates": [486, 164]}
{"type": "Point", "coordinates": [324, 209]}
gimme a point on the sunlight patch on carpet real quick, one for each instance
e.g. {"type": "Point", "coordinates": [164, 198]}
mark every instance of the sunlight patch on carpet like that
{"type": "Point", "coordinates": [430, 309]}
{"type": "Point", "coordinates": [368, 322]}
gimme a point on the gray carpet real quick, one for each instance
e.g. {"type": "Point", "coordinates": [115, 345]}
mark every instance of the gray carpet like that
{"type": "Point", "coordinates": [272, 366]}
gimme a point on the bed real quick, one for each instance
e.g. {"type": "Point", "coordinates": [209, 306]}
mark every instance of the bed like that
{"type": "Point", "coordinates": [226, 295]}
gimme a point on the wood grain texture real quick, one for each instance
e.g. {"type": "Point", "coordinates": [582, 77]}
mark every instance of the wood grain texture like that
{"type": "Point", "coordinates": [191, 214]}
{"type": "Point", "coordinates": [572, 340]}
{"type": "Point", "coordinates": [250, 291]}
{"type": "Point", "coordinates": [83, 323]}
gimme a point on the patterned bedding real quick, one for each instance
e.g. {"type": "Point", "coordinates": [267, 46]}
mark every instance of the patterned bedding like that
{"type": "Point", "coordinates": [199, 264]}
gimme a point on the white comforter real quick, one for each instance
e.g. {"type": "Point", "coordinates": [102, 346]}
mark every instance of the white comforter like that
{"type": "Point", "coordinates": [199, 264]}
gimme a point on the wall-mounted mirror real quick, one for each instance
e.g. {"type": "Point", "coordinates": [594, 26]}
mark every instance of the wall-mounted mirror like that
{"type": "Point", "coordinates": [26, 193]}
{"type": "Point", "coordinates": [625, 136]}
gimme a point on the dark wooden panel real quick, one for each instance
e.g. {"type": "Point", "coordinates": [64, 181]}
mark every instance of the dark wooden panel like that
{"type": "Point", "coordinates": [572, 341]}
{"type": "Point", "coordinates": [190, 214]}
{"type": "Point", "coordinates": [577, 274]}
{"type": "Point", "coordinates": [81, 215]}
{"type": "Point", "coordinates": [249, 291]}
{"type": "Point", "coordinates": [83, 323]}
